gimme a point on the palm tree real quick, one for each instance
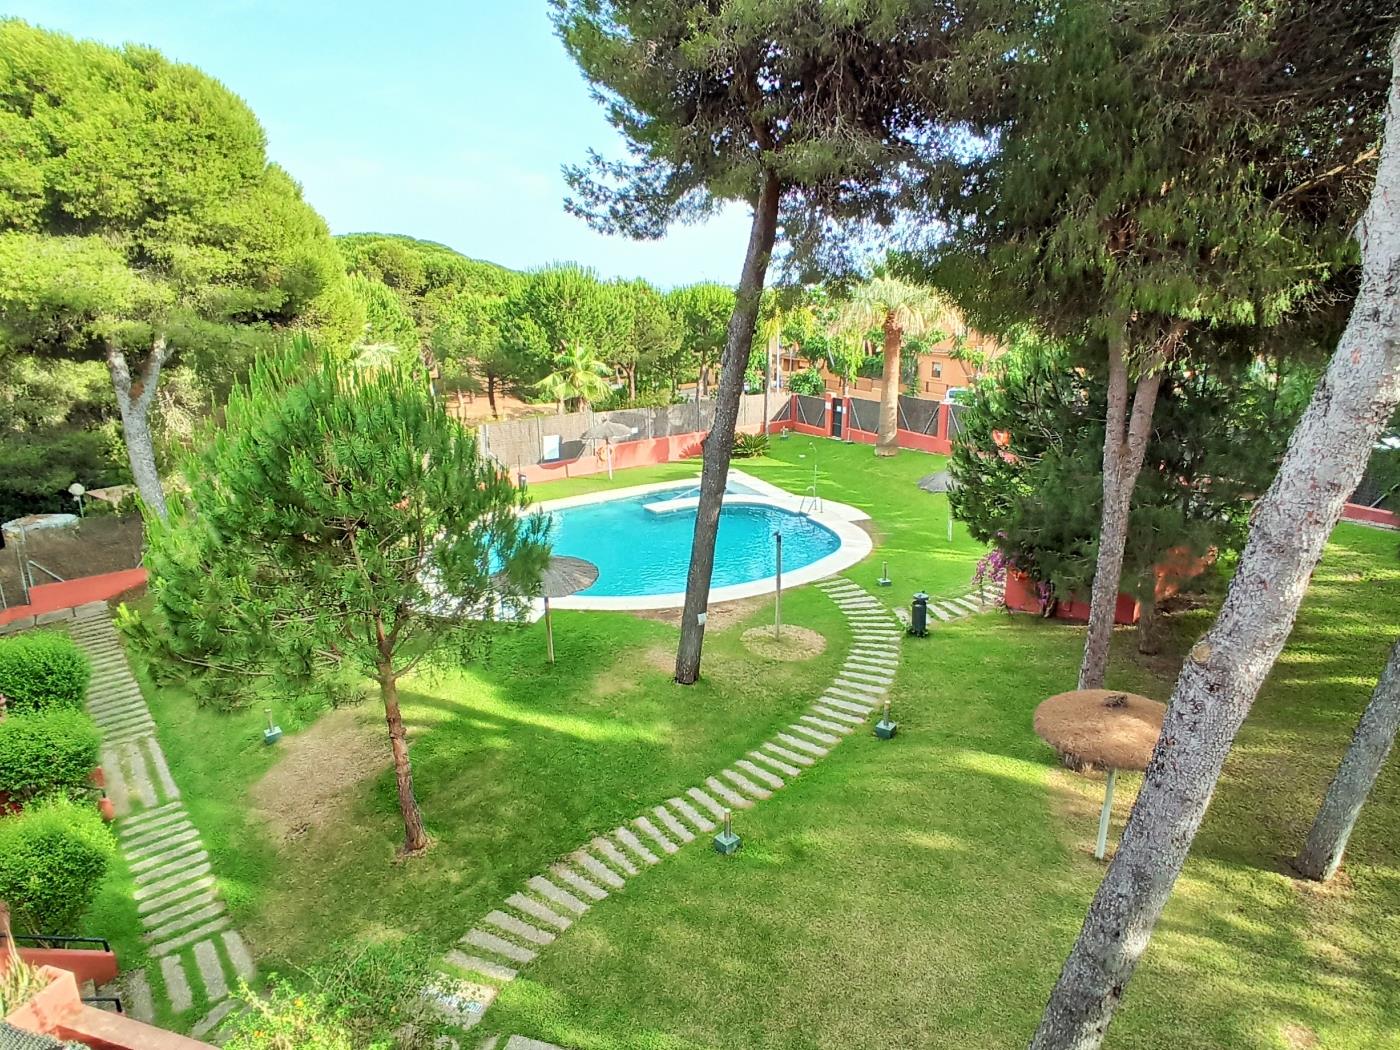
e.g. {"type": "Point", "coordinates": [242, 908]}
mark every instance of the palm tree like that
{"type": "Point", "coordinates": [899, 309]}
{"type": "Point", "coordinates": [578, 376]}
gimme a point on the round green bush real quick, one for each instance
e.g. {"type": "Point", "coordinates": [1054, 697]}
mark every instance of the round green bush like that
{"type": "Point", "coordinates": [41, 670]}
{"type": "Point", "coordinates": [53, 857]}
{"type": "Point", "coordinates": [52, 752]}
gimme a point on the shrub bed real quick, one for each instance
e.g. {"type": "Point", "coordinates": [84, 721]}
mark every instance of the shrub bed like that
{"type": "Point", "coordinates": [53, 857]}
{"type": "Point", "coordinates": [40, 670]}
{"type": "Point", "coordinates": [52, 752]}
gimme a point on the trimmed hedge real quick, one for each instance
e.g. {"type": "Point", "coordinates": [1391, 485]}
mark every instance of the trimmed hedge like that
{"type": "Point", "coordinates": [40, 670]}
{"type": "Point", "coordinates": [53, 857]}
{"type": "Point", "coordinates": [52, 752]}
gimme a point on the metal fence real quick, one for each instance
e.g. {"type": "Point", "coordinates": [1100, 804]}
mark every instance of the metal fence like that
{"type": "Point", "coordinates": [918, 416]}
{"type": "Point", "coordinates": [955, 412]}
{"type": "Point", "coordinates": [865, 414]}
{"type": "Point", "coordinates": [811, 411]}
{"type": "Point", "coordinates": [554, 438]}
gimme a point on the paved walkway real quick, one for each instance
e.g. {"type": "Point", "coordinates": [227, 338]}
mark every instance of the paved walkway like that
{"type": "Point", "coordinates": [196, 956]}
{"type": "Point", "coordinates": [511, 936]}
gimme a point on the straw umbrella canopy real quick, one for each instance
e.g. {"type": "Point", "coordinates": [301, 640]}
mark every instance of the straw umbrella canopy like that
{"type": "Point", "coordinates": [562, 577]}
{"type": "Point", "coordinates": [941, 482]}
{"type": "Point", "coordinates": [610, 431]}
{"type": "Point", "coordinates": [1104, 729]}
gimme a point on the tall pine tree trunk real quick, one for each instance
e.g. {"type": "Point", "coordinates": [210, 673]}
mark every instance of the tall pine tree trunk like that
{"type": "Point", "coordinates": [415, 839]}
{"type": "Point", "coordinates": [134, 400]}
{"type": "Point", "coordinates": [491, 394]}
{"type": "Point", "coordinates": [887, 440]}
{"type": "Point", "coordinates": [1219, 680]}
{"type": "Point", "coordinates": [1361, 765]}
{"type": "Point", "coordinates": [1124, 446]}
{"type": "Point", "coordinates": [1147, 633]}
{"type": "Point", "coordinates": [720, 442]}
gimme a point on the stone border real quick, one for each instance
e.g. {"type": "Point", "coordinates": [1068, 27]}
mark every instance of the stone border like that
{"type": "Point", "coordinates": [838, 518]}
{"type": "Point", "coordinates": [511, 936]}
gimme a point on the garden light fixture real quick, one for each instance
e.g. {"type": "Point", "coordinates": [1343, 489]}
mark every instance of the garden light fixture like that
{"type": "Point", "coordinates": [726, 842]}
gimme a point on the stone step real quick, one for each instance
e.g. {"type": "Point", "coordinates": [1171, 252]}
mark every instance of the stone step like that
{"type": "Point", "coordinates": [533, 908]}
{"type": "Point", "coordinates": [697, 820]}
{"type": "Point", "coordinates": [238, 954]}
{"type": "Point", "coordinates": [816, 734]}
{"type": "Point", "coordinates": [166, 900]}
{"type": "Point", "coordinates": [708, 803]}
{"type": "Point", "coordinates": [153, 869]}
{"type": "Point", "coordinates": [630, 840]}
{"type": "Point", "coordinates": [801, 745]}
{"type": "Point", "coordinates": [497, 946]}
{"type": "Point", "coordinates": [155, 830]}
{"type": "Point", "coordinates": [519, 1042]}
{"type": "Point", "coordinates": [135, 735]}
{"type": "Point", "coordinates": [888, 652]}
{"type": "Point", "coordinates": [214, 1018]}
{"type": "Point", "coordinates": [596, 869]}
{"type": "Point", "coordinates": [519, 928]}
{"type": "Point", "coordinates": [647, 828]}
{"type": "Point", "coordinates": [557, 895]}
{"type": "Point", "coordinates": [851, 685]}
{"type": "Point", "coordinates": [476, 964]}
{"type": "Point", "coordinates": [159, 844]}
{"type": "Point", "coordinates": [796, 757]}
{"type": "Point", "coordinates": [674, 826]}
{"type": "Point", "coordinates": [940, 612]}
{"type": "Point", "coordinates": [761, 774]}
{"type": "Point", "coordinates": [211, 970]}
{"type": "Point", "coordinates": [776, 763]}
{"type": "Point", "coordinates": [856, 662]}
{"type": "Point", "coordinates": [747, 786]}
{"type": "Point", "coordinates": [171, 928]}
{"type": "Point", "coordinates": [968, 604]}
{"type": "Point", "coordinates": [186, 939]}
{"type": "Point", "coordinates": [578, 882]}
{"type": "Point", "coordinates": [615, 855]}
{"type": "Point", "coordinates": [843, 704]}
{"type": "Point", "coordinates": [861, 674]}
{"type": "Point", "coordinates": [177, 984]}
{"type": "Point", "coordinates": [144, 891]}
{"type": "Point", "coordinates": [727, 795]}
{"type": "Point", "coordinates": [840, 716]}
{"type": "Point", "coordinates": [824, 725]}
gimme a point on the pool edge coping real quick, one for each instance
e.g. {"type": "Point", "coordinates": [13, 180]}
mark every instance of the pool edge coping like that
{"type": "Point", "coordinates": [840, 518]}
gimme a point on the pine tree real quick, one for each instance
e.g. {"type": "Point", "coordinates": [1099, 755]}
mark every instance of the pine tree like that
{"type": "Point", "coordinates": [815, 116]}
{"type": "Point", "coordinates": [337, 518]}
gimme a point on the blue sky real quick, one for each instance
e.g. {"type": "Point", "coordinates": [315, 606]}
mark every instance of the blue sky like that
{"type": "Point", "coordinates": [446, 121]}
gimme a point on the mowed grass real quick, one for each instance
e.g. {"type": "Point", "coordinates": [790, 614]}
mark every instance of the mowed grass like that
{"type": "Point", "coordinates": [923, 892]}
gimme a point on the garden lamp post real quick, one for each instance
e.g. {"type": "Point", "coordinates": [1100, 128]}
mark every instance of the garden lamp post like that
{"type": "Point", "coordinates": [1101, 728]}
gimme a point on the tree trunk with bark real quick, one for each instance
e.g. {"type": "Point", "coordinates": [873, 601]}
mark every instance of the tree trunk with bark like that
{"type": "Point", "coordinates": [415, 839]}
{"type": "Point", "coordinates": [1356, 776]}
{"type": "Point", "coordinates": [1148, 640]}
{"type": "Point", "coordinates": [491, 394]}
{"type": "Point", "coordinates": [1124, 446]}
{"type": "Point", "coordinates": [1222, 675]}
{"type": "Point", "coordinates": [887, 440]}
{"type": "Point", "coordinates": [134, 400]}
{"type": "Point", "coordinates": [720, 441]}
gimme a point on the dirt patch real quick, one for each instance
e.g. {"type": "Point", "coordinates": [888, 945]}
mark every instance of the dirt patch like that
{"type": "Point", "coordinates": [95, 545]}
{"type": "Point", "coordinates": [797, 643]}
{"type": "Point", "coordinates": [319, 770]}
{"type": "Point", "coordinates": [1298, 1037]}
{"type": "Point", "coordinates": [721, 616]}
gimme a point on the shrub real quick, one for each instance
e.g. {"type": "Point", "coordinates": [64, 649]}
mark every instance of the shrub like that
{"type": "Point", "coordinates": [52, 752]}
{"type": "Point", "coordinates": [53, 856]}
{"type": "Point", "coordinates": [809, 382]}
{"type": "Point", "coordinates": [42, 669]}
{"type": "Point", "coordinates": [288, 1019]}
{"type": "Point", "coordinates": [748, 446]}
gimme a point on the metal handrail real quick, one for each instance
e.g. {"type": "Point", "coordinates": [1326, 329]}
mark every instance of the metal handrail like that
{"type": "Point", "coordinates": [48, 939]}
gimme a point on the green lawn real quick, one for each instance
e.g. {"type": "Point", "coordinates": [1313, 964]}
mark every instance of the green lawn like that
{"type": "Point", "coordinates": [923, 892]}
{"type": "Point", "coordinates": [515, 762]}
{"type": "Point", "coordinates": [917, 893]}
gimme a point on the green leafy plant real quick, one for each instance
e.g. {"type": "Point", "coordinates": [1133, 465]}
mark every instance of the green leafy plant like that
{"type": "Point", "coordinates": [52, 752]}
{"type": "Point", "coordinates": [42, 669]}
{"type": "Point", "coordinates": [750, 446]}
{"type": "Point", "coordinates": [53, 856]}
{"type": "Point", "coordinates": [809, 382]}
{"type": "Point", "coordinates": [19, 980]}
{"type": "Point", "coordinates": [290, 1019]}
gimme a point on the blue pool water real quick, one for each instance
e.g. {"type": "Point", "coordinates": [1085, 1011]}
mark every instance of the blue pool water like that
{"type": "Point", "coordinates": [641, 553]}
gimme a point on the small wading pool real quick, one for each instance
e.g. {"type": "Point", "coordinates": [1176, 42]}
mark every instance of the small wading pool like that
{"type": "Point", "coordinates": [643, 554]}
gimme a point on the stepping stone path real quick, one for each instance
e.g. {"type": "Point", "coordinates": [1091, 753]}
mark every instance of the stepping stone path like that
{"type": "Point", "coordinates": [511, 936]}
{"type": "Point", "coordinates": [197, 957]}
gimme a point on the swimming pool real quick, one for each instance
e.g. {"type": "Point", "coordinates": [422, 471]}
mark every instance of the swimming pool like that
{"type": "Point", "coordinates": [643, 554]}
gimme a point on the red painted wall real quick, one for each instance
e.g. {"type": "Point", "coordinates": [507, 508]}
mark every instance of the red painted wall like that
{"type": "Point", "coordinates": [48, 597]}
{"type": "Point", "coordinates": [1370, 515]}
{"type": "Point", "coordinates": [85, 964]}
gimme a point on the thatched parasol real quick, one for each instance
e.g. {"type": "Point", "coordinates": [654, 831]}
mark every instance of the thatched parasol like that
{"type": "Point", "coordinates": [609, 431]}
{"type": "Point", "coordinates": [941, 482]}
{"type": "Point", "coordinates": [1101, 728]}
{"type": "Point", "coordinates": [561, 578]}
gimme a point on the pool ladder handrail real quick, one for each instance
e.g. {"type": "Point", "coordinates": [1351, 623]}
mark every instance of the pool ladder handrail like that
{"type": "Point", "coordinates": [816, 505]}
